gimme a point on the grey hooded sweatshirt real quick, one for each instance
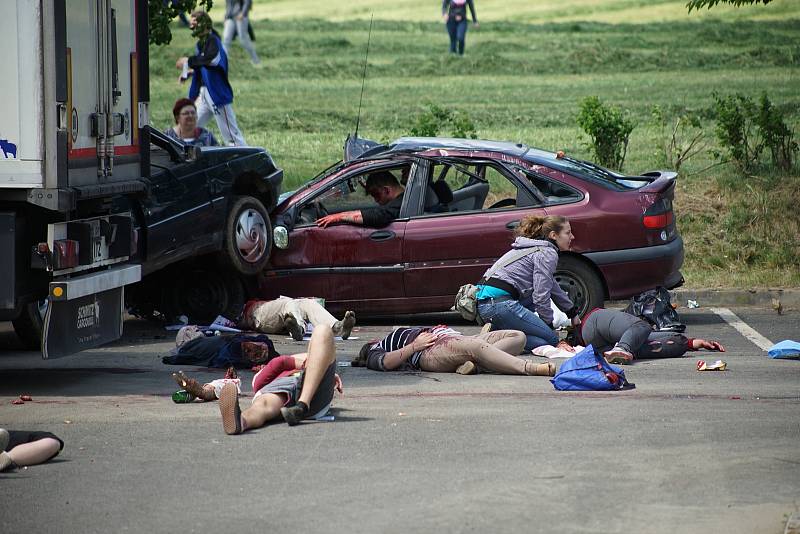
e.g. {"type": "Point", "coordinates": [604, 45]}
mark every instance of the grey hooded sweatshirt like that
{"type": "Point", "coordinates": [533, 275]}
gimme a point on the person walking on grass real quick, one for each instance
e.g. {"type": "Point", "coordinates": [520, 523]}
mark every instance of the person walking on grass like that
{"type": "Point", "coordinates": [454, 15]}
{"type": "Point", "coordinates": [237, 23]}
{"type": "Point", "coordinates": [517, 296]}
{"type": "Point", "coordinates": [440, 349]}
{"type": "Point", "coordinates": [290, 387]}
{"type": "Point", "coordinates": [210, 88]}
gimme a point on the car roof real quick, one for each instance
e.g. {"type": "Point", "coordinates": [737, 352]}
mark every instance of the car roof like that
{"type": "Point", "coordinates": [518, 150]}
{"type": "Point", "coordinates": [537, 156]}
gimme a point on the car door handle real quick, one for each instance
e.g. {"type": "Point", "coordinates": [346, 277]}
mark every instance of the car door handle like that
{"type": "Point", "coordinates": [381, 235]}
{"type": "Point", "coordinates": [512, 225]}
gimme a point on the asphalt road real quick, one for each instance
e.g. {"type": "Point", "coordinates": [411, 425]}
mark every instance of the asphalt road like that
{"type": "Point", "coordinates": [413, 452]}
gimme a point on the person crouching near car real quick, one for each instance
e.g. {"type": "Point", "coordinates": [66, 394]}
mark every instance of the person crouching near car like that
{"type": "Point", "coordinates": [186, 129]}
{"type": "Point", "coordinates": [440, 349]}
{"type": "Point", "coordinates": [517, 296]}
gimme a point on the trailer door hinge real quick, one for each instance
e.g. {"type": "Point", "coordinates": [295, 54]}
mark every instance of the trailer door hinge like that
{"type": "Point", "coordinates": [144, 114]}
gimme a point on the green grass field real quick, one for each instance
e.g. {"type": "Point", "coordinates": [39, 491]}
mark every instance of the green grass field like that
{"type": "Point", "coordinates": [524, 72]}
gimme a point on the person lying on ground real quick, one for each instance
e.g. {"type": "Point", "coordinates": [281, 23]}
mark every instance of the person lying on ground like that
{"type": "Point", "coordinates": [622, 337]}
{"type": "Point", "coordinates": [384, 189]}
{"type": "Point", "coordinates": [20, 448]}
{"type": "Point", "coordinates": [290, 315]}
{"type": "Point", "coordinates": [440, 349]}
{"type": "Point", "coordinates": [242, 351]}
{"type": "Point", "coordinates": [293, 387]}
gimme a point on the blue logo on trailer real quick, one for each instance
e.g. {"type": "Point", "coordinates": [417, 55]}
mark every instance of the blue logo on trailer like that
{"type": "Point", "coordinates": [8, 148]}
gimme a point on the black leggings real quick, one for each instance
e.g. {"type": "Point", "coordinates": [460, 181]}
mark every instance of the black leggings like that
{"type": "Point", "coordinates": [604, 329]}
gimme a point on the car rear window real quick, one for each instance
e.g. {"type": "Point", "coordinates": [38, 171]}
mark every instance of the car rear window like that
{"type": "Point", "coordinates": [597, 174]}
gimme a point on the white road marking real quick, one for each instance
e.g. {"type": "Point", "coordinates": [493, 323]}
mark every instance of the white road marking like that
{"type": "Point", "coordinates": [745, 329]}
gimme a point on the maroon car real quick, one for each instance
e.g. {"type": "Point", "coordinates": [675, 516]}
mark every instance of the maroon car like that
{"type": "Point", "coordinates": [462, 201]}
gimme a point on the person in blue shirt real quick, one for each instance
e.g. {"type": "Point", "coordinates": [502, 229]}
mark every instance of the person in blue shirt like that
{"type": "Point", "coordinates": [210, 89]}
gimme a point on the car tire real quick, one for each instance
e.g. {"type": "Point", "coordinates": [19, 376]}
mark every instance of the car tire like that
{"type": "Point", "coordinates": [30, 324]}
{"type": "Point", "coordinates": [201, 295]}
{"type": "Point", "coordinates": [581, 283]}
{"type": "Point", "coordinates": [248, 235]}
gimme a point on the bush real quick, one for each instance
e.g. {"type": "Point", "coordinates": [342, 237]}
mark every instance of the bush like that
{"type": "Point", "coordinates": [681, 139]}
{"type": "Point", "coordinates": [736, 129]}
{"type": "Point", "coordinates": [776, 135]}
{"type": "Point", "coordinates": [608, 129]}
{"type": "Point", "coordinates": [437, 118]}
{"type": "Point", "coordinates": [746, 130]}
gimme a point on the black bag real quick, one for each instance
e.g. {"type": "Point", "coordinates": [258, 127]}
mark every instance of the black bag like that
{"type": "Point", "coordinates": [654, 307]}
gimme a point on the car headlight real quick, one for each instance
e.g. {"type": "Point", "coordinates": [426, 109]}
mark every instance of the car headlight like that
{"type": "Point", "coordinates": [281, 236]}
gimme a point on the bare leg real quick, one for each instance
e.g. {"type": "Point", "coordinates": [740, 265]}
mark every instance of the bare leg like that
{"type": "Point", "coordinates": [321, 354]}
{"type": "Point", "coordinates": [265, 408]}
{"type": "Point", "coordinates": [319, 364]}
{"type": "Point", "coordinates": [36, 452]}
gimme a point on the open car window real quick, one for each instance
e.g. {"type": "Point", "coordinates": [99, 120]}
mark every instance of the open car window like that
{"type": "Point", "coordinates": [458, 185]}
{"type": "Point", "coordinates": [346, 194]}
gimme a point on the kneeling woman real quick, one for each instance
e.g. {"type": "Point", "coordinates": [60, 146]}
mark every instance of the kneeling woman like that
{"type": "Point", "coordinates": [440, 349]}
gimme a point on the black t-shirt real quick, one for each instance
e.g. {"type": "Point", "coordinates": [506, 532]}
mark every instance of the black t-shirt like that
{"type": "Point", "coordinates": [381, 216]}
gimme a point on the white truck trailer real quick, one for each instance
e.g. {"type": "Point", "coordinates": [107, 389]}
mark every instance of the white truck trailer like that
{"type": "Point", "coordinates": [73, 105]}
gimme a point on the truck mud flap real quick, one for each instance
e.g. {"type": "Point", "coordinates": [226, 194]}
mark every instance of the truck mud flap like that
{"type": "Point", "coordinates": [86, 312]}
{"type": "Point", "coordinates": [71, 326]}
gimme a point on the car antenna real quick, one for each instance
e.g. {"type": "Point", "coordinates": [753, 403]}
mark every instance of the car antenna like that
{"type": "Point", "coordinates": [353, 146]}
{"type": "Point", "coordinates": [364, 74]}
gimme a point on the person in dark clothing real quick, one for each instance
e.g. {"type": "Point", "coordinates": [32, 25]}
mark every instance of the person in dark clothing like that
{"type": "Point", "coordinates": [20, 448]}
{"type": "Point", "coordinates": [384, 188]}
{"type": "Point", "coordinates": [454, 14]}
{"type": "Point", "coordinates": [622, 337]}
{"type": "Point", "coordinates": [210, 89]}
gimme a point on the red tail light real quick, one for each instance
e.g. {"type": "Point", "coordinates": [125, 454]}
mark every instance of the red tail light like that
{"type": "Point", "coordinates": [65, 254]}
{"type": "Point", "coordinates": [662, 220]}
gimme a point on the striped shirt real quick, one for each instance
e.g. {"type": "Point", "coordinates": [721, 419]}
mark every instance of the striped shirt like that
{"type": "Point", "coordinates": [397, 340]}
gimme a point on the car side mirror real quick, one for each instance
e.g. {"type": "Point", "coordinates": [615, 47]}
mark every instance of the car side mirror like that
{"type": "Point", "coordinates": [280, 236]}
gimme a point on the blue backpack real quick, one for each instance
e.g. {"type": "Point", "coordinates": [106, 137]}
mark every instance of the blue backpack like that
{"type": "Point", "coordinates": [586, 371]}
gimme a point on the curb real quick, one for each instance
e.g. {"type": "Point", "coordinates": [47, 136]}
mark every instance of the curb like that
{"type": "Point", "coordinates": [766, 298]}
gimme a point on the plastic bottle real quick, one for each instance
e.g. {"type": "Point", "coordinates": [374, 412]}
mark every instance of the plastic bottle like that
{"type": "Point", "coordinates": [182, 397]}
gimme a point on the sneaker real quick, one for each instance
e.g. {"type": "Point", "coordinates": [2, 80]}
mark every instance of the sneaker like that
{"type": "Point", "coordinates": [295, 330]}
{"type": "Point", "coordinates": [467, 368]}
{"type": "Point", "coordinates": [486, 328]}
{"type": "Point", "coordinates": [229, 409]}
{"type": "Point", "coordinates": [348, 323]}
{"type": "Point", "coordinates": [293, 414]}
{"type": "Point", "coordinates": [6, 463]}
{"type": "Point", "coordinates": [618, 356]}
